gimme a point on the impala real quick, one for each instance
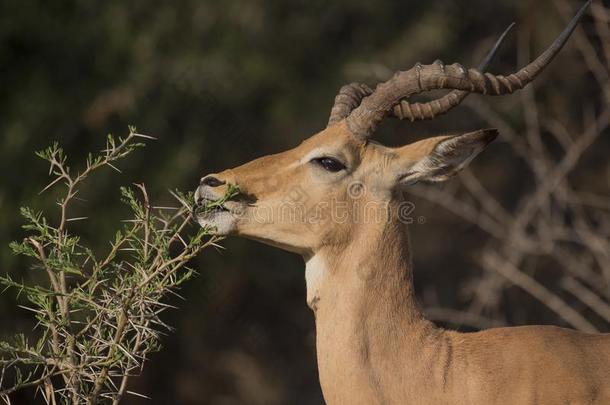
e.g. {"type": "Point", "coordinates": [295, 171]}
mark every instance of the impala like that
{"type": "Point", "coordinates": [337, 198]}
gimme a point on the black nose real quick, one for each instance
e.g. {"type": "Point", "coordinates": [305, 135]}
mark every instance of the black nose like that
{"type": "Point", "coordinates": [211, 182]}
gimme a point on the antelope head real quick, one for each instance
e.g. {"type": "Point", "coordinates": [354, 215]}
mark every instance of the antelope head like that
{"type": "Point", "coordinates": [330, 188]}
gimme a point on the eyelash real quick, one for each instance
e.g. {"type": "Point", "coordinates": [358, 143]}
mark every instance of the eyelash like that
{"type": "Point", "coordinates": [329, 164]}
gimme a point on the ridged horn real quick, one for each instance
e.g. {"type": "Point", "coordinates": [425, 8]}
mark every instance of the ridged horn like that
{"type": "Point", "coordinates": [350, 96]}
{"type": "Point", "coordinates": [364, 119]}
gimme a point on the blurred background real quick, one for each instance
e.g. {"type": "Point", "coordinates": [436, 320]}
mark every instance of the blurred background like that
{"type": "Point", "coordinates": [522, 237]}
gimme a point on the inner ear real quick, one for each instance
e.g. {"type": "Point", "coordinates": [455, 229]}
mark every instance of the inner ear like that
{"type": "Point", "coordinates": [448, 156]}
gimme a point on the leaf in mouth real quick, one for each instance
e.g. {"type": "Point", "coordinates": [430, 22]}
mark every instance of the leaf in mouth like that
{"type": "Point", "coordinates": [218, 205]}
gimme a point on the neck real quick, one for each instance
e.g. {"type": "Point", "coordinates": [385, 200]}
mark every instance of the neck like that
{"type": "Point", "coordinates": [370, 332]}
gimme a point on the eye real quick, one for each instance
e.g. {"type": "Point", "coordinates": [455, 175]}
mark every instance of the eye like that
{"type": "Point", "coordinates": [330, 164]}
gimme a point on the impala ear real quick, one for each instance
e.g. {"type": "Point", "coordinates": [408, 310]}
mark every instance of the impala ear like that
{"type": "Point", "coordinates": [441, 158]}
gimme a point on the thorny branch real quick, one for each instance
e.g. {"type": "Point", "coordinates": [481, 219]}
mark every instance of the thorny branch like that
{"type": "Point", "coordinates": [98, 319]}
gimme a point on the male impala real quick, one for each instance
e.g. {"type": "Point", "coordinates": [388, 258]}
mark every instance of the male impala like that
{"type": "Point", "coordinates": [373, 345]}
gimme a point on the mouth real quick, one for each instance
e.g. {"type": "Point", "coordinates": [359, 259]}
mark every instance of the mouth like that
{"type": "Point", "coordinates": [215, 210]}
{"type": "Point", "coordinates": [218, 217]}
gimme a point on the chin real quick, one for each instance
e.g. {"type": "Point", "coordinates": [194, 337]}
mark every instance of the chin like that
{"type": "Point", "coordinates": [220, 223]}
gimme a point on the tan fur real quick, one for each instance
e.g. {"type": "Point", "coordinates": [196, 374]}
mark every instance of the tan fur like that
{"type": "Point", "coordinates": [373, 345]}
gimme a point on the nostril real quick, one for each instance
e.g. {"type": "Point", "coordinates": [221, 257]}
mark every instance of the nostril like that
{"type": "Point", "coordinates": [211, 182]}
